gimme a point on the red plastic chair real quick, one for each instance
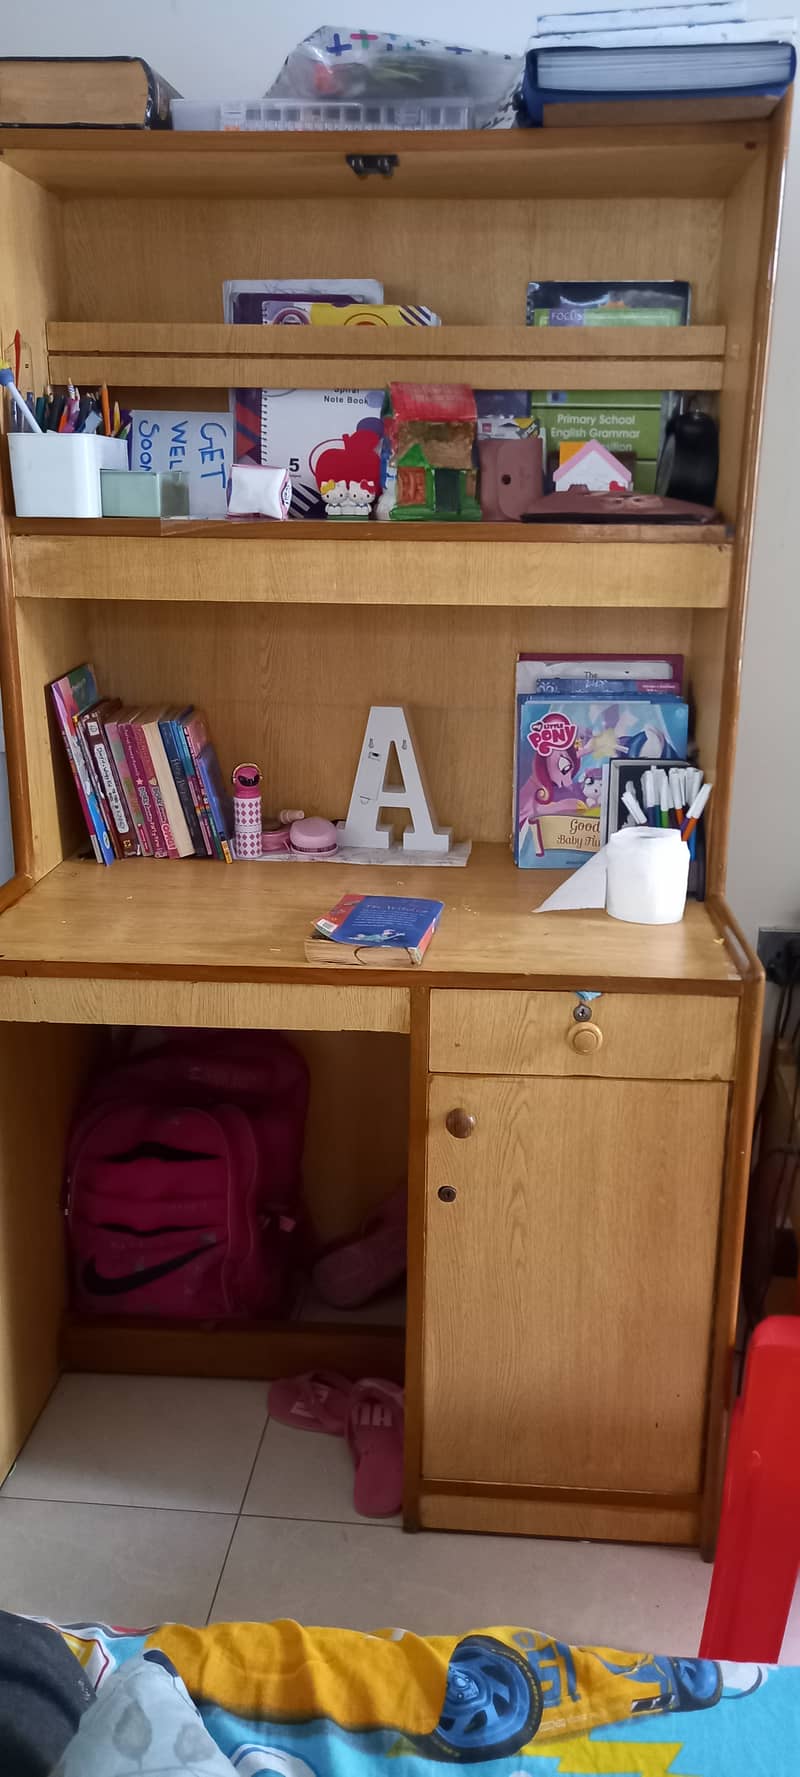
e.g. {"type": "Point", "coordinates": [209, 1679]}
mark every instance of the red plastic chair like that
{"type": "Point", "coordinates": [758, 1552]}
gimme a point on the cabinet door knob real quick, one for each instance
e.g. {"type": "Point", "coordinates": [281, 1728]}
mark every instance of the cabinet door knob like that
{"type": "Point", "coordinates": [460, 1124]}
{"type": "Point", "coordinates": [585, 1039]}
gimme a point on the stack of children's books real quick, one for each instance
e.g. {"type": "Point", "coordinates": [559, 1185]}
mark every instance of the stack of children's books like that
{"type": "Point", "coordinates": [574, 717]}
{"type": "Point", "coordinates": [148, 779]}
{"type": "Point", "coordinates": [378, 931]}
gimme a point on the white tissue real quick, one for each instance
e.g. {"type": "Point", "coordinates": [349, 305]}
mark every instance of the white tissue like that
{"type": "Point", "coordinates": [639, 876]}
{"type": "Point", "coordinates": [255, 490]}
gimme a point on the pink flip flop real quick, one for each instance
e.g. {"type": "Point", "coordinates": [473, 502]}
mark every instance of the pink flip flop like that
{"type": "Point", "coordinates": [317, 1401]}
{"type": "Point", "coordinates": [375, 1436]}
{"type": "Point", "coordinates": [352, 1271]}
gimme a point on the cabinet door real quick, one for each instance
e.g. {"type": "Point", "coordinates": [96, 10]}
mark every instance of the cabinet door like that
{"type": "Point", "coordinates": [569, 1281]}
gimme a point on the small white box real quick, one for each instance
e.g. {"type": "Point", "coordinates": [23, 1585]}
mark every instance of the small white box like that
{"type": "Point", "coordinates": [57, 474]}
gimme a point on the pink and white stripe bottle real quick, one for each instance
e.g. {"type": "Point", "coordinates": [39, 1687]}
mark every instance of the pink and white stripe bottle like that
{"type": "Point", "coordinates": [247, 820]}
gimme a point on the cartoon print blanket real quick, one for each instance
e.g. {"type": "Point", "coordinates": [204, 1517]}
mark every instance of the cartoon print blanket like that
{"type": "Point", "coordinates": [283, 1701]}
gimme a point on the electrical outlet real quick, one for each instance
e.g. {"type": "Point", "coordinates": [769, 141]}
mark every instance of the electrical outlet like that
{"type": "Point", "coordinates": [779, 951]}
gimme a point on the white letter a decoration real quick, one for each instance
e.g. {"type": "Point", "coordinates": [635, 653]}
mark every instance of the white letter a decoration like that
{"type": "Point", "coordinates": [389, 726]}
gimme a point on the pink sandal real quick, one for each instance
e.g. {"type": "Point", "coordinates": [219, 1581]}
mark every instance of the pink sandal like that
{"type": "Point", "coordinates": [354, 1270]}
{"type": "Point", "coordinates": [317, 1401]}
{"type": "Point", "coordinates": [375, 1436]}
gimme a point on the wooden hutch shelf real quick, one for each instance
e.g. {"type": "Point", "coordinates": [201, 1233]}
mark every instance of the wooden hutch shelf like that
{"type": "Point", "coordinates": [580, 1223]}
{"type": "Point", "coordinates": [202, 923]}
{"type": "Point", "coordinates": [210, 356]}
{"type": "Point", "coordinates": [348, 563]}
{"type": "Point", "coordinates": [685, 160]}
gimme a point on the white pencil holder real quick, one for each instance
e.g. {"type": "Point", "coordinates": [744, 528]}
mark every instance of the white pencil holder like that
{"type": "Point", "coordinates": [647, 870]}
{"type": "Point", "coordinates": [57, 474]}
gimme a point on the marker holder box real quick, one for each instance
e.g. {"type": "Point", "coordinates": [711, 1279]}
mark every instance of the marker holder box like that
{"type": "Point", "coordinates": [57, 474]}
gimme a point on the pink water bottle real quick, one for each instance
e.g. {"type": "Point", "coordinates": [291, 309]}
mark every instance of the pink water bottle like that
{"type": "Point", "coordinates": [247, 811]}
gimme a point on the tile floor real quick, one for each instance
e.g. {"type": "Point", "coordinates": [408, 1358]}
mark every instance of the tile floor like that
{"type": "Point", "coordinates": [142, 1499]}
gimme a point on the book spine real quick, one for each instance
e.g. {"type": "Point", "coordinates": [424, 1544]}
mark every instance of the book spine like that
{"type": "Point", "coordinates": [156, 794]}
{"type": "Point", "coordinates": [194, 743]}
{"type": "Point", "coordinates": [79, 772]}
{"type": "Point", "coordinates": [195, 789]}
{"type": "Point", "coordinates": [112, 798]}
{"type": "Point", "coordinates": [650, 689]}
{"type": "Point", "coordinates": [214, 810]}
{"type": "Point", "coordinates": [128, 787]}
{"type": "Point", "coordinates": [417, 951]}
{"type": "Point", "coordinates": [157, 104]}
{"type": "Point", "coordinates": [175, 763]}
{"type": "Point", "coordinates": [129, 735]}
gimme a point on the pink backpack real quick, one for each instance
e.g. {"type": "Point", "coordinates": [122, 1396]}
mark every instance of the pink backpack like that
{"type": "Point", "coordinates": [184, 1179]}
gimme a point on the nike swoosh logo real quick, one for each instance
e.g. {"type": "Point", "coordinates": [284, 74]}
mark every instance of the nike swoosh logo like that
{"type": "Point", "coordinates": [98, 1285]}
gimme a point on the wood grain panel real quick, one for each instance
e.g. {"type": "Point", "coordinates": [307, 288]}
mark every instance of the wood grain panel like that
{"type": "Point", "coordinates": [41, 1071]}
{"type": "Point", "coordinates": [535, 1517]}
{"type": "Point", "coordinates": [659, 155]}
{"type": "Point", "coordinates": [50, 642]}
{"type": "Point", "coordinates": [657, 1037]}
{"type": "Point", "coordinates": [139, 260]}
{"type": "Point", "coordinates": [277, 1348]}
{"type": "Point", "coordinates": [30, 264]}
{"type": "Point", "coordinates": [522, 571]}
{"type": "Point", "coordinates": [219, 1005]}
{"type": "Point", "coordinates": [251, 670]}
{"type": "Point", "coordinates": [193, 928]}
{"type": "Point", "coordinates": [356, 1148]}
{"type": "Point", "coordinates": [322, 373]}
{"type": "Point", "coordinates": [743, 405]}
{"type": "Point", "coordinates": [213, 340]}
{"type": "Point", "coordinates": [569, 1285]}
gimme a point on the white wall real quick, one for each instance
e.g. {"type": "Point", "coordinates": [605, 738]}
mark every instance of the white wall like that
{"type": "Point", "coordinates": [236, 50]}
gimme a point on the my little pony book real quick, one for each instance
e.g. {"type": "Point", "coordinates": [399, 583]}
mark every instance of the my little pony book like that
{"type": "Point", "coordinates": [564, 746]}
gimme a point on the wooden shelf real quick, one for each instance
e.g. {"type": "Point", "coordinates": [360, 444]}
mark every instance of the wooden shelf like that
{"type": "Point", "coordinates": [336, 562]}
{"type": "Point", "coordinates": [254, 1351]}
{"type": "Point", "coordinates": [205, 355]}
{"type": "Point", "coordinates": [682, 160]}
{"type": "Point", "coordinates": [149, 942]}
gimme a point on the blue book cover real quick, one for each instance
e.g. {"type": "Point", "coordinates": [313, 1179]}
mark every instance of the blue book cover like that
{"type": "Point", "coordinates": [384, 921]}
{"type": "Point", "coordinates": [167, 729]}
{"type": "Point", "coordinates": [219, 801]}
{"type": "Point", "coordinates": [564, 747]}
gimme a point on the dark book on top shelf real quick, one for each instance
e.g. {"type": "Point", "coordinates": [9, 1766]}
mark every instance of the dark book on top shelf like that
{"type": "Point", "coordinates": [83, 92]}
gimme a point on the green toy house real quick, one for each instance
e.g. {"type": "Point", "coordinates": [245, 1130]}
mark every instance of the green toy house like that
{"type": "Point", "coordinates": [432, 431]}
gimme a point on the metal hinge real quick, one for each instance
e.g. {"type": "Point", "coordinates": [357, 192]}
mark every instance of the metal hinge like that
{"type": "Point", "coordinates": [364, 164]}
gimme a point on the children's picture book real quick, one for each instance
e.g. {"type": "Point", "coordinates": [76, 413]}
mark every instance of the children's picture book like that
{"type": "Point", "coordinates": [637, 672]}
{"type": "Point", "coordinates": [386, 931]}
{"type": "Point", "coordinates": [563, 751]}
{"type": "Point", "coordinates": [71, 696]}
{"type": "Point", "coordinates": [262, 302]}
{"type": "Point", "coordinates": [626, 303]}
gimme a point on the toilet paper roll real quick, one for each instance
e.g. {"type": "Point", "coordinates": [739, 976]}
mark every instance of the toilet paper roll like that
{"type": "Point", "coordinates": [640, 875]}
{"type": "Point", "coordinates": [647, 869]}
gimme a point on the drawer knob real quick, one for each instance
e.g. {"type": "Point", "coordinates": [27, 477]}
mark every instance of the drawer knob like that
{"type": "Point", "coordinates": [460, 1124]}
{"type": "Point", "coordinates": [585, 1039]}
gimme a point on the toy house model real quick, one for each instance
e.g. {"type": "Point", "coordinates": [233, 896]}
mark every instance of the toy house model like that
{"type": "Point", "coordinates": [431, 429]}
{"type": "Point", "coordinates": [592, 469]}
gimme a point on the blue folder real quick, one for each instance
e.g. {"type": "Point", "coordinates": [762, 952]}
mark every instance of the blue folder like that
{"type": "Point", "coordinates": [535, 97]}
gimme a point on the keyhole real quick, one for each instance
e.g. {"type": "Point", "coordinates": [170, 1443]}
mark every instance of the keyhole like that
{"type": "Point", "coordinates": [446, 1194]}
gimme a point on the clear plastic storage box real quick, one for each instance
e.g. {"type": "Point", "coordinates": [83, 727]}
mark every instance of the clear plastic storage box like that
{"type": "Point", "coordinates": [322, 114]}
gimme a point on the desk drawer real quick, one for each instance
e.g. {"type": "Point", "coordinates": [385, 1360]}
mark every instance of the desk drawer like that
{"type": "Point", "coordinates": [643, 1036]}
